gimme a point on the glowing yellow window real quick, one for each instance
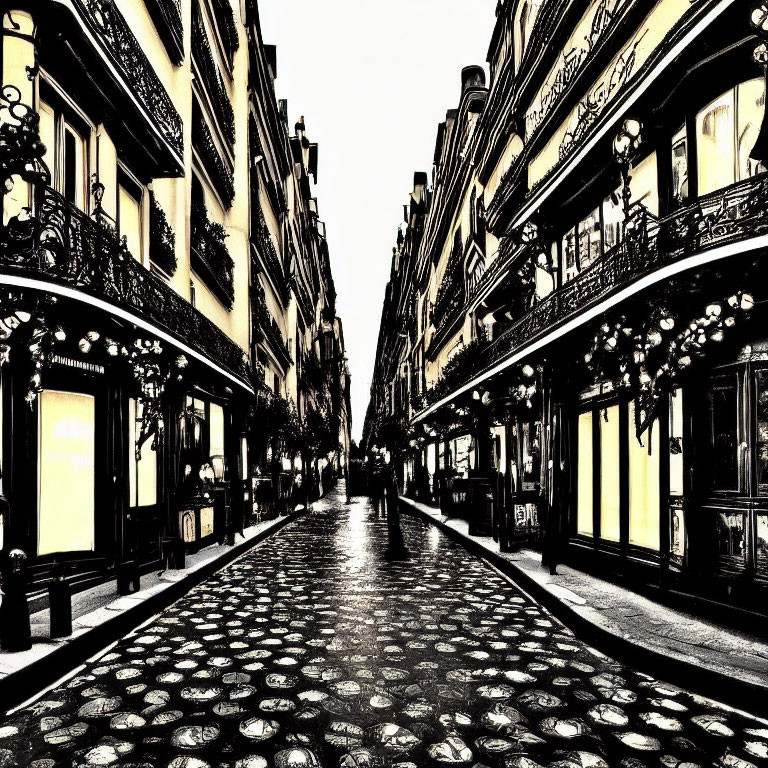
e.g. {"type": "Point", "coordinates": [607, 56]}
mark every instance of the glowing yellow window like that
{"type": "Point", "coordinates": [610, 475]}
{"type": "Point", "coordinates": [585, 493]}
{"type": "Point", "coordinates": [130, 221]}
{"type": "Point", "coordinates": [66, 473]}
{"type": "Point", "coordinates": [143, 472]}
{"type": "Point", "coordinates": [644, 500]}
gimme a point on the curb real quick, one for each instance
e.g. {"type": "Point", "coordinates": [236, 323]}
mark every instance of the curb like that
{"type": "Point", "coordinates": [707, 682]}
{"type": "Point", "coordinates": [23, 684]}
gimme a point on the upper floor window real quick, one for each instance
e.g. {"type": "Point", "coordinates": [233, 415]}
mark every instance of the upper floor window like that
{"type": "Point", "coordinates": [129, 215]}
{"type": "Point", "coordinates": [66, 142]}
{"type": "Point", "coordinates": [726, 131]}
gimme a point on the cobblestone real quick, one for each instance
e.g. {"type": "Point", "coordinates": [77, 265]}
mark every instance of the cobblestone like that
{"type": "Point", "coordinates": [313, 650]}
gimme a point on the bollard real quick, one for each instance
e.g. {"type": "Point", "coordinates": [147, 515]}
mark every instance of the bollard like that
{"type": "Point", "coordinates": [128, 579]}
{"type": "Point", "coordinates": [59, 603]}
{"type": "Point", "coordinates": [15, 630]}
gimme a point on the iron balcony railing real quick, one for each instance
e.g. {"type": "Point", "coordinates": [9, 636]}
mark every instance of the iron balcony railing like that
{"type": "Point", "coordinates": [121, 46]}
{"type": "Point", "coordinates": [210, 256]}
{"type": "Point", "coordinates": [262, 241]}
{"type": "Point", "coordinates": [267, 325]}
{"type": "Point", "coordinates": [727, 216]}
{"type": "Point", "coordinates": [61, 244]}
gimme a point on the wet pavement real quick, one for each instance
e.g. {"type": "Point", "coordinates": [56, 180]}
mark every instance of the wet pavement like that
{"type": "Point", "coordinates": [313, 650]}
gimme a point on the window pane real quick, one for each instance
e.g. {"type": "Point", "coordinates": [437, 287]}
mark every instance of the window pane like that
{"type": "Point", "coordinates": [643, 486]}
{"type": "Point", "coordinates": [715, 144]}
{"type": "Point", "coordinates": [644, 184]}
{"type": "Point", "coordinates": [590, 239]}
{"type": "Point", "coordinates": [217, 430]}
{"type": "Point", "coordinates": [680, 165]}
{"type": "Point", "coordinates": [724, 434]}
{"type": "Point", "coordinates": [761, 438]}
{"type": "Point", "coordinates": [67, 429]}
{"type": "Point", "coordinates": [130, 222]}
{"type": "Point", "coordinates": [73, 186]}
{"type": "Point", "coordinates": [142, 473]}
{"type": "Point", "coordinates": [531, 456]}
{"type": "Point", "coordinates": [570, 266]}
{"type": "Point", "coordinates": [613, 217]}
{"type": "Point", "coordinates": [584, 520]}
{"type": "Point", "coordinates": [610, 474]}
{"type": "Point", "coordinates": [751, 107]}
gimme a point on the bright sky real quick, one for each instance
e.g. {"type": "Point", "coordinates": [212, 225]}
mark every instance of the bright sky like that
{"type": "Point", "coordinates": [373, 79]}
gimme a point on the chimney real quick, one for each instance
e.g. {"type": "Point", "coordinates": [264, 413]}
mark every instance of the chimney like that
{"type": "Point", "coordinates": [472, 77]}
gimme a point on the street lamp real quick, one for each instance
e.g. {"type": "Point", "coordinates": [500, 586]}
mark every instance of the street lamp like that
{"type": "Point", "coordinates": [626, 145]}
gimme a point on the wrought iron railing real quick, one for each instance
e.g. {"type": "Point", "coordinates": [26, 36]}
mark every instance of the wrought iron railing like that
{"type": "Point", "coordinates": [166, 15]}
{"type": "Point", "coordinates": [122, 47]}
{"type": "Point", "coordinates": [262, 240]}
{"type": "Point", "coordinates": [219, 171]}
{"type": "Point", "coordinates": [225, 20]}
{"type": "Point", "coordinates": [210, 256]}
{"type": "Point", "coordinates": [267, 324]}
{"type": "Point", "coordinates": [212, 79]}
{"type": "Point", "coordinates": [61, 244]}
{"type": "Point", "coordinates": [726, 216]}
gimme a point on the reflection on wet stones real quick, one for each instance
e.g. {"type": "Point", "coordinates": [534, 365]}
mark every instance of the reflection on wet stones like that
{"type": "Point", "coordinates": [312, 650]}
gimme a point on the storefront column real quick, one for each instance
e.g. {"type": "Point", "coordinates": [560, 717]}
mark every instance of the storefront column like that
{"type": "Point", "coordinates": [508, 509]}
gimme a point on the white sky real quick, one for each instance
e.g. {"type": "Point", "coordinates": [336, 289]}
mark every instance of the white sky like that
{"type": "Point", "coordinates": [373, 79]}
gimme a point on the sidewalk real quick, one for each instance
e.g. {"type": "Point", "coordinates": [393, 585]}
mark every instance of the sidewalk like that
{"type": "Point", "coordinates": [707, 658]}
{"type": "Point", "coordinates": [99, 617]}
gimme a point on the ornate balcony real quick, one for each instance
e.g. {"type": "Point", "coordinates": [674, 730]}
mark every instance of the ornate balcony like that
{"type": "Point", "coordinates": [728, 216]}
{"type": "Point", "coordinates": [262, 241]}
{"type": "Point", "coordinates": [119, 45]}
{"type": "Point", "coordinates": [212, 79]}
{"type": "Point", "coordinates": [166, 15]}
{"type": "Point", "coordinates": [209, 255]}
{"type": "Point", "coordinates": [63, 246]}
{"type": "Point", "coordinates": [266, 324]}
{"type": "Point", "coordinates": [219, 171]}
{"type": "Point", "coordinates": [225, 20]}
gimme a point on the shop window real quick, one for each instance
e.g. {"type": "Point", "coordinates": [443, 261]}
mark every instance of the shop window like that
{"type": "Point", "coordinates": [761, 537]}
{"type": "Point", "coordinates": [216, 439]}
{"type": "Point", "coordinates": [724, 420]}
{"type": "Point", "coordinates": [644, 491]}
{"type": "Point", "coordinates": [129, 218]}
{"type": "Point", "coordinates": [590, 239]}
{"type": "Point", "coordinates": [731, 541]}
{"type": "Point", "coordinates": [680, 165]}
{"type": "Point", "coordinates": [531, 474]}
{"type": "Point", "coordinates": [142, 480]}
{"type": "Point", "coordinates": [585, 490]}
{"type": "Point", "coordinates": [610, 474]}
{"type": "Point", "coordinates": [67, 154]}
{"type": "Point", "coordinates": [761, 427]}
{"type": "Point", "coordinates": [431, 459]}
{"type": "Point", "coordinates": [726, 130]}
{"type": "Point", "coordinates": [206, 522]}
{"type": "Point", "coordinates": [676, 462]}
{"type": "Point", "coordinates": [66, 459]}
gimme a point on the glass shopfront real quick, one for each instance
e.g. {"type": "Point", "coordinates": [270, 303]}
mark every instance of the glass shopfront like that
{"type": "Point", "coordinates": [66, 475]}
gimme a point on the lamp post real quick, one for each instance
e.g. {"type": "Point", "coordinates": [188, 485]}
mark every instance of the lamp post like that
{"type": "Point", "coordinates": [626, 145]}
{"type": "Point", "coordinates": [759, 21]}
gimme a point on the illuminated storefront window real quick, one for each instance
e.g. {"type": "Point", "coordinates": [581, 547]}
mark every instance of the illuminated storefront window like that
{"type": "Point", "coordinates": [584, 520]}
{"type": "Point", "coordinates": [66, 473]}
{"type": "Point", "coordinates": [142, 472]}
{"type": "Point", "coordinates": [644, 499]}
{"type": "Point", "coordinates": [610, 474]}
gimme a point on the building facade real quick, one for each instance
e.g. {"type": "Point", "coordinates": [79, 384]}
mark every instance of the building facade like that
{"type": "Point", "coordinates": [574, 323]}
{"type": "Point", "coordinates": [163, 277]}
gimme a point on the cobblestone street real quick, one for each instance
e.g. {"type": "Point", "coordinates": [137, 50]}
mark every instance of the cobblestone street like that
{"type": "Point", "coordinates": [313, 650]}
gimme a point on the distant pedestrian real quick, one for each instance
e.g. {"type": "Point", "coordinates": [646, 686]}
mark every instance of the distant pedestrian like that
{"type": "Point", "coordinates": [396, 549]}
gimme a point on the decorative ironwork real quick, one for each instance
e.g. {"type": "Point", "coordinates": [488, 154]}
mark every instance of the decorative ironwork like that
{"type": "Point", "coordinates": [730, 215]}
{"type": "Point", "coordinates": [262, 240]}
{"type": "Point", "coordinates": [220, 173]}
{"type": "Point", "coordinates": [267, 324]}
{"type": "Point", "coordinates": [212, 79]}
{"type": "Point", "coordinates": [166, 15]}
{"type": "Point", "coordinates": [63, 245]}
{"type": "Point", "coordinates": [209, 255]}
{"type": "Point", "coordinates": [125, 51]}
{"type": "Point", "coordinates": [451, 294]}
{"type": "Point", "coordinates": [225, 20]}
{"type": "Point", "coordinates": [162, 239]}
{"type": "Point", "coordinates": [21, 151]}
